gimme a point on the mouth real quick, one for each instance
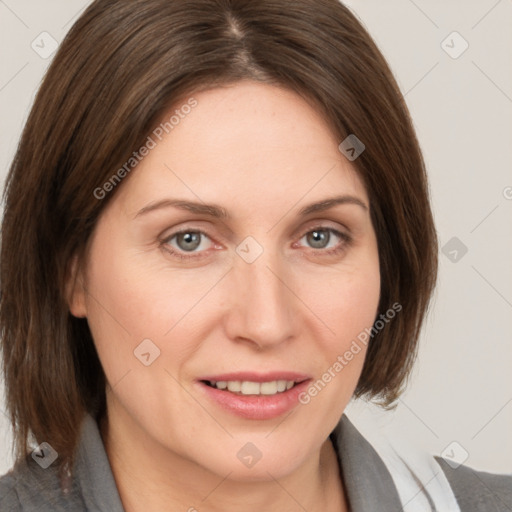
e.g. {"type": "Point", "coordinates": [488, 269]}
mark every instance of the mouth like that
{"type": "Point", "coordinates": [247, 387]}
{"type": "Point", "coordinates": [255, 396]}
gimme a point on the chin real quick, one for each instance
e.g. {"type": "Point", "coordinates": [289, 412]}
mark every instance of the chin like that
{"type": "Point", "coordinates": [246, 461]}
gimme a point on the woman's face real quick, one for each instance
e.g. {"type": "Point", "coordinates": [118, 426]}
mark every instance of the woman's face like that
{"type": "Point", "coordinates": [260, 288]}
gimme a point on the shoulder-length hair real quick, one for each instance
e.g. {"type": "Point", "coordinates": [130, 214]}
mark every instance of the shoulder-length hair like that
{"type": "Point", "coordinates": [119, 69]}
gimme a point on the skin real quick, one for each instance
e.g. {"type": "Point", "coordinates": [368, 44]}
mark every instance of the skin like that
{"type": "Point", "coordinates": [262, 153]}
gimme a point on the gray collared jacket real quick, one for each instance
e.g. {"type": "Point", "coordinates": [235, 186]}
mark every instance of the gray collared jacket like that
{"type": "Point", "coordinates": [375, 482]}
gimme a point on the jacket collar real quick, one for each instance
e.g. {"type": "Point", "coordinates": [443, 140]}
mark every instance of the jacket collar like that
{"type": "Point", "coordinates": [93, 471]}
{"type": "Point", "coordinates": [367, 481]}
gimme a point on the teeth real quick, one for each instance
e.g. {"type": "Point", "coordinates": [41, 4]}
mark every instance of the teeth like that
{"type": "Point", "coordinates": [281, 385]}
{"type": "Point", "coordinates": [250, 388]}
{"type": "Point", "coordinates": [254, 388]}
{"type": "Point", "coordinates": [234, 385]}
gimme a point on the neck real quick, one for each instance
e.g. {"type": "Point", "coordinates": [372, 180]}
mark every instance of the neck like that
{"type": "Point", "coordinates": [151, 478]}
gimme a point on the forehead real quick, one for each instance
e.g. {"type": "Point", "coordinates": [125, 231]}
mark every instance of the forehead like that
{"type": "Point", "coordinates": [251, 144]}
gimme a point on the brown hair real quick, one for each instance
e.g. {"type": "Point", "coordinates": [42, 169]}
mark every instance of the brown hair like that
{"type": "Point", "coordinates": [115, 74]}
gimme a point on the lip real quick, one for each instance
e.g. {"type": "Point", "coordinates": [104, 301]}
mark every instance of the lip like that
{"type": "Point", "coordinates": [256, 407]}
{"type": "Point", "coordinates": [258, 377]}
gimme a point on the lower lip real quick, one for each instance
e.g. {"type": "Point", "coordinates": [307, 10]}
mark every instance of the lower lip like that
{"type": "Point", "coordinates": [256, 407]}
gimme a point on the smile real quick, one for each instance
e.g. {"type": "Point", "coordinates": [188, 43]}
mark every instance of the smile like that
{"type": "Point", "coordinates": [254, 396]}
{"type": "Point", "coordinates": [253, 388]}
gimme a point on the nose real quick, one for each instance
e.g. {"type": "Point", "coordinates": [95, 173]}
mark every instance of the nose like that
{"type": "Point", "coordinates": [263, 310]}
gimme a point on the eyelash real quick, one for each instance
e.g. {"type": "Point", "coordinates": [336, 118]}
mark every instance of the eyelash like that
{"type": "Point", "coordinates": [346, 242]}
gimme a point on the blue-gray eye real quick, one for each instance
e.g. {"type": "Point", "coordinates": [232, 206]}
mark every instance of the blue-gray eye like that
{"type": "Point", "coordinates": [188, 240]}
{"type": "Point", "coordinates": [319, 238]}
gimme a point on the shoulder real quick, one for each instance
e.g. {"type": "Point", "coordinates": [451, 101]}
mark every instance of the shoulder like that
{"type": "Point", "coordinates": [380, 464]}
{"type": "Point", "coordinates": [9, 499]}
{"type": "Point", "coordinates": [478, 491]}
{"type": "Point", "coordinates": [30, 488]}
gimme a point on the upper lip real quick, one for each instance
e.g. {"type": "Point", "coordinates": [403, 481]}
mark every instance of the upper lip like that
{"type": "Point", "coordinates": [258, 377]}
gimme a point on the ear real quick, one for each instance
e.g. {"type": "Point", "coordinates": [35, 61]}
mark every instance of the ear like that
{"type": "Point", "coordinates": [75, 290]}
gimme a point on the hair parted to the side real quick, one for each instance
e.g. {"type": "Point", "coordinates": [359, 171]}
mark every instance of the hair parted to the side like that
{"type": "Point", "coordinates": [117, 72]}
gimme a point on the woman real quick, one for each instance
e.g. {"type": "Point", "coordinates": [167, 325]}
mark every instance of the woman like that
{"type": "Point", "coordinates": [217, 231]}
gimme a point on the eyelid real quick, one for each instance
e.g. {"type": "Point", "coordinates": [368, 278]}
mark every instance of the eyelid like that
{"type": "Point", "coordinates": [345, 240]}
{"type": "Point", "coordinates": [166, 238]}
{"type": "Point", "coordinates": [322, 224]}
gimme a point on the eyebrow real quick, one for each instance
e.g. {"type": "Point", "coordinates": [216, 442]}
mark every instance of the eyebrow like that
{"type": "Point", "coordinates": [216, 211]}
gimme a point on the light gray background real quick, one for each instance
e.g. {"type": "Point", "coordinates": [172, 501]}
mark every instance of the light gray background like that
{"type": "Point", "coordinates": [461, 390]}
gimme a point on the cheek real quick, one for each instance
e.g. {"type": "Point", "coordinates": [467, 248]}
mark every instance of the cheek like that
{"type": "Point", "coordinates": [346, 304]}
{"type": "Point", "coordinates": [130, 300]}
{"type": "Point", "coordinates": [346, 300]}
{"type": "Point", "coordinates": [357, 302]}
